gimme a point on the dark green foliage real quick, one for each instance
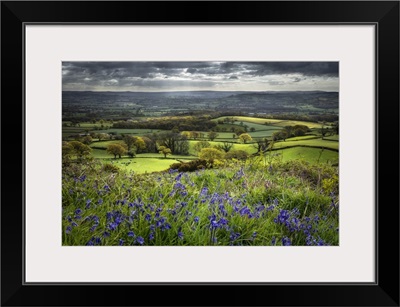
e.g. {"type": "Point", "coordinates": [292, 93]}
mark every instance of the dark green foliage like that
{"type": "Point", "coordinates": [313, 173]}
{"type": "Point", "coordinates": [108, 167]}
{"type": "Point", "coordinates": [191, 166]}
{"type": "Point", "coordinates": [237, 154]}
{"type": "Point", "coordinates": [182, 123]}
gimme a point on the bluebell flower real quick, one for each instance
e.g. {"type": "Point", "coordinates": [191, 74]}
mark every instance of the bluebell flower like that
{"type": "Point", "coordinates": [273, 241]}
{"type": "Point", "coordinates": [180, 234]}
{"type": "Point", "coordinates": [196, 219]}
{"type": "Point", "coordinates": [121, 242]}
{"type": "Point", "coordinates": [131, 234]}
{"type": "Point", "coordinates": [140, 240]}
{"type": "Point", "coordinates": [166, 226]}
{"type": "Point", "coordinates": [88, 203]}
{"type": "Point", "coordinates": [74, 224]}
{"type": "Point", "coordinates": [321, 242]}
{"type": "Point", "coordinates": [204, 191]}
{"type": "Point", "coordinates": [178, 178]}
{"type": "Point", "coordinates": [78, 211]}
{"type": "Point", "coordinates": [214, 224]}
{"type": "Point", "coordinates": [244, 211]}
{"type": "Point", "coordinates": [68, 230]}
{"type": "Point", "coordinates": [106, 234]}
{"type": "Point", "coordinates": [234, 235]}
{"type": "Point", "coordinates": [286, 241]}
{"type": "Point", "coordinates": [148, 217]}
{"type": "Point", "coordinates": [112, 226]}
{"type": "Point", "coordinates": [160, 222]}
{"type": "Point", "coordinates": [223, 221]}
{"type": "Point", "coordinates": [151, 236]}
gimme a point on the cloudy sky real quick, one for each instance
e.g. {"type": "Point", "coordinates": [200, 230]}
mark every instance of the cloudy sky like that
{"type": "Point", "coordinates": [196, 76]}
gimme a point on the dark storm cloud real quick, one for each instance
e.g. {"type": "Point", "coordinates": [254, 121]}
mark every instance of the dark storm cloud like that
{"type": "Point", "coordinates": [126, 74]}
{"type": "Point", "coordinates": [304, 68]}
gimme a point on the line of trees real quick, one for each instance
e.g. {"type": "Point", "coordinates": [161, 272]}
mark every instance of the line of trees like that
{"type": "Point", "coordinates": [182, 123]}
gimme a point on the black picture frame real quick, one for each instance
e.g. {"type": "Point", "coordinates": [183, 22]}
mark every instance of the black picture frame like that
{"type": "Point", "coordinates": [383, 14]}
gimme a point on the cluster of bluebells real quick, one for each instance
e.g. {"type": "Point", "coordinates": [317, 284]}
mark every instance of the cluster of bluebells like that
{"type": "Point", "coordinates": [291, 220]}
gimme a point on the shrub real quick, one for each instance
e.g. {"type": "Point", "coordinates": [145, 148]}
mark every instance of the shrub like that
{"type": "Point", "coordinates": [191, 166]}
{"type": "Point", "coordinates": [211, 153]}
{"type": "Point", "coordinates": [111, 168]}
{"type": "Point", "coordinates": [237, 154]}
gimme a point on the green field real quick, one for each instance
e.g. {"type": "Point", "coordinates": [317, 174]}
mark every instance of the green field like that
{"type": "Point", "coordinates": [128, 131]}
{"type": "Point", "coordinates": [257, 127]}
{"type": "Point", "coordinates": [311, 143]}
{"type": "Point", "coordinates": [310, 125]}
{"type": "Point", "coordinates": [255, 120]}
{"type": "Point", "coordinates": [143, 165]}
{"type": "Point", "coordinates": [332, 137]}
{"type": "Point", "coordinates": [262, 134]}
{"type": "Point", "coordinates": [104, 144]}
{"type": "Point", "coordinates": [305, 137]}
{"type": "Point", "coordinates": [273, 122]}
{"type": "Point", "coordinates": [312, 155]}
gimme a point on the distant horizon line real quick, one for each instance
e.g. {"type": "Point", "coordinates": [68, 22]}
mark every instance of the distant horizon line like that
{"type": "Point", "coordinates": [199, 91]}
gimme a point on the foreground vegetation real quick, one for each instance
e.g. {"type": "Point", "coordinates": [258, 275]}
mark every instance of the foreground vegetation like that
{"type": "Point", "coordinates": [262, 201]}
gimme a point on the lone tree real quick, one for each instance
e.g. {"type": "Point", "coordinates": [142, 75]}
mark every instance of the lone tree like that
{"type": "Point", "coordinates": [164, 150]}
{"type": "Point", "coordinates": [261, 144]}
{"type": "Point", "coordinates": [135, 144]}
{"type": "Point", "coordinates": [80, 150]}
{"type": "Point", "coordinates": [225, 146]}
{"type": "Point", "coordinates": [177, 143]}
{"type": "Point", "coordinates": [129, 141]}
{"type": "Point", "coordinates": [324, 130]}
{"type": "Point", "coordinates": [239, 131]}
{"type": "Point", "coordinates": [280, 135]}
{"type": "Point", "coordinates": [245, 137]}
{"type": "Point", "coordinates": [103, 136]}
{"type": "Point", "coordinates": [117, 150]}
{"type": "Point", "coordinates": [87, 140]}
{"type": "Point", "coordinates": [200, 145]}
{"type": "Point", "coordinates": [212, 135]}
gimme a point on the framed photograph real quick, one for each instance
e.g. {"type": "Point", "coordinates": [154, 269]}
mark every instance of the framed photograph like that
{"type": "Point", "coordinates": [237, 153]}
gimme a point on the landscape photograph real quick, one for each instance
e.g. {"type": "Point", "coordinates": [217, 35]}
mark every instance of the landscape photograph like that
{"type": "Point", "coordinates": [202, 153]}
